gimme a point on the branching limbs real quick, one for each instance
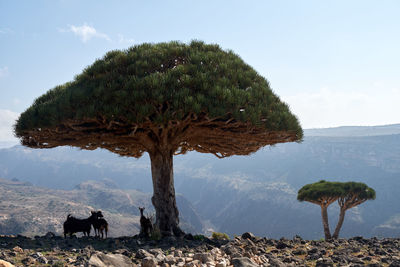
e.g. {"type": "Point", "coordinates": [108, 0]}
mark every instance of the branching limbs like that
{"type": "Point", "coordinates": [351, 200]}
{"type": "Point", "coordinates": [222, 137]}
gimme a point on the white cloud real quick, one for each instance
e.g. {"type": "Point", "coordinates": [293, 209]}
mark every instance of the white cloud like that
{"type": "Point", "coordinates": [7, 120]}
{"type": "Point", "coordinates": [4, 72]}
{"type": "Point", "coordinates": [328, 107]}
{"type": "Point", "coordinates": [123, 40]}
{"type": "Point", "coordinates": [16, 101]}
{"type": "Point", "coordinates": [5, 31]}
{"type": "Point", "coordinates": [86, 32]}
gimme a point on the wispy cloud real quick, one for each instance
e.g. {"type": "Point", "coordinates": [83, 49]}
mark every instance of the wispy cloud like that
{"type": "Point", "coordinates": [123, 40]}
{"type": "Point", "coordinates": [16, 101]}
{"type": "Point", "coordinates": [5, 31]}
{"type": "Point", "coordinates": [7, 120]}
{"type": "Point", "coordinates": [85, 32]}
{"type": "Point", "coordinates": [4, 72]}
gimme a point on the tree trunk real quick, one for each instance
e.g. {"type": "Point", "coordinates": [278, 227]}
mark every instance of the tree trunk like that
{"type": "Point", "coordinates": [167, 215]}
{"type": "Point", "coordinates": [325, 223]}
{"type": "Point", "coordinates": [339, 223]}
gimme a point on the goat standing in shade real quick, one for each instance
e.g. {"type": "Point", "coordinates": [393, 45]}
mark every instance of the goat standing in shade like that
{"type": "Point", "coordinates": [73, 225]}
{"type": "Point", "coordinates": [100, 225]}
{"type": "Point", "coordinates": [146, 227]}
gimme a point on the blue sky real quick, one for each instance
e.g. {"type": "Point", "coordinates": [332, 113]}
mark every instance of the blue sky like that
{"type": "Point", "coordinates": [334, 62]}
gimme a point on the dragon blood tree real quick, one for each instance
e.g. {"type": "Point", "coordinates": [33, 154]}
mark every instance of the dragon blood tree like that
{"type": "Point", "coordinates": [164, 99]}
{"type": "Point", "coordinates": [354, 194]}
{"type": "Point", "coordinates": [348, 195]}
{"type": "Point", "coordinates": [322, 193]}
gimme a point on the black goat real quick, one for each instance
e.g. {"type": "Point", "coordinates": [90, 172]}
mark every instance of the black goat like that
{"type": "Point", "coordinates": [73, 225]}
{"type": "Point", "coordinates": [146, 227]}
{"type": "Point", "coordinates": [100, 225]}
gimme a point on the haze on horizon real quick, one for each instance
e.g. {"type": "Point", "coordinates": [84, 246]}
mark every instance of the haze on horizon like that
{"type": "Point", "coordinates": [335, 63]}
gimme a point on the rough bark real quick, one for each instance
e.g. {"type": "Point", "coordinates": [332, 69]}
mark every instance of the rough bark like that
{"type": "Point", "coordinates": [340, 223]}
{"type": "Point", "coordinates": [325, 223]}
{"type": "Point", "coordinates": [167, 215]}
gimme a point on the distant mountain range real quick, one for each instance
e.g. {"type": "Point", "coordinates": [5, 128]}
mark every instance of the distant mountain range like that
{"type": "Point", "coordinates": [255, 193]}
{"type": "Point", "coordinates": [355, 131]}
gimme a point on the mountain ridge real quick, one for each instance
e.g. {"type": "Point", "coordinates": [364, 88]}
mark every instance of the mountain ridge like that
{"type": "Point", "coordinates": [354, 130]}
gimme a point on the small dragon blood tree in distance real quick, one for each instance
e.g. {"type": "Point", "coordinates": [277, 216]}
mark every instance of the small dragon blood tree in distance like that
{"type": "Point", "coordinates": [323, 193]}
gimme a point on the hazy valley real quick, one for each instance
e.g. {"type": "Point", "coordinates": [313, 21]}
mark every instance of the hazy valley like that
{"type": "Point", "coordinates": [256, 193]}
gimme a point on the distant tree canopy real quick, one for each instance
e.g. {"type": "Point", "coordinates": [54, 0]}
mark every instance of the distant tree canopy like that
{"type": "Point", "coordinates": [164, 99]}
{"type": "Point", "coordinates": [323, 193]}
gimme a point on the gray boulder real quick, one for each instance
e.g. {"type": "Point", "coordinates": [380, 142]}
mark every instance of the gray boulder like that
{"type": "Point", "coordinates": [141, 254]}
{"type": "Point", "coordinates": [99, 259]}
{"type": "Point", "coordinates": [275, 262]}
{"type": "Point", "coordinates": [149, 262]}
{"type": "Point", "coordinates": [203, 257]}
{"type": "Point", "coordinates": [243, 262]}
{"type": "Point", "coordinates": [324, 262]}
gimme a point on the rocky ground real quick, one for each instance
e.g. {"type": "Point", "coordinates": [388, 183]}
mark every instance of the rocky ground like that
{"type": "Point", "coordinates": [244, 251]}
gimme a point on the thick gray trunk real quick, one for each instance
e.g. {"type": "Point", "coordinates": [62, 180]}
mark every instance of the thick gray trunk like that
{"type": "Point", "coordinates": [340, 223]}
{"type": "Point", "coordinates": [167, 215]}
{"type": "Point", "coordinates": [325, 223]}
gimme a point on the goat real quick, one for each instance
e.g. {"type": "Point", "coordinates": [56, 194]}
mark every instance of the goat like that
{"type": "Point", "coordinates": [73, 225]}
{"type": "Point", "coordinates": [100, 225]}
{"type": "Point", "coordinates": [146, 227]}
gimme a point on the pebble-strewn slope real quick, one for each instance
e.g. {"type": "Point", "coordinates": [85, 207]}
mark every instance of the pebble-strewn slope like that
{"type": "Point", "coordinates": [244, 251]}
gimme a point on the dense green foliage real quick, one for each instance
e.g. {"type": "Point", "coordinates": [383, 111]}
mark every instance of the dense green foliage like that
{"type": "Point", "coordinates": [320, 189]}
{"type": "Point", "coordinates": [163, 82]}
{"type": "Point", "coordinates": [359, 189]}
{"type": "Point", "coordinates": [313, 192]}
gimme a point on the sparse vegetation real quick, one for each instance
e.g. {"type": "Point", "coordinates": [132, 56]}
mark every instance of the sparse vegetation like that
{"type": "Point", "coordinates": [155, 234]}
{"type": "Point", "coordinates": [219, 236]}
